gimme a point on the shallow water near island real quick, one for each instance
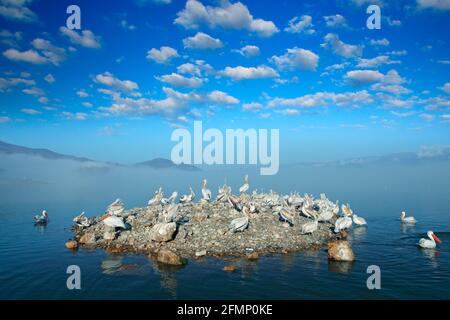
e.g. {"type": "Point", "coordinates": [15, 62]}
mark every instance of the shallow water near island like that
{"type": "Point", "coordinates": [34, 259]}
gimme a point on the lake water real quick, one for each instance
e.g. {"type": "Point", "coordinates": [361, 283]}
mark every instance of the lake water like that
{"type": "Point", "coordinates": [34, 259]}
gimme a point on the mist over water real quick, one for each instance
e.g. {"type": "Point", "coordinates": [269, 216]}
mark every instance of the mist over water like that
{"type": "Point", "coordinates": [34, 259]}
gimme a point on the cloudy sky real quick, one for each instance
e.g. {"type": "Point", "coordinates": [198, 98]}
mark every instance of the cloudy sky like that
{"type": "Point", "coordinates": [117, 88]}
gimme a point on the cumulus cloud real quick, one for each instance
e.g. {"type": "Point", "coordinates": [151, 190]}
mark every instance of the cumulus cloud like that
{"type": "Point", "coordinates": [324, 99]}
{"type": "Point", "coordinates": [375, 62]}
{"type": "Point", "coordinates": [178, 80]}
{"type": "Point", "coordinates": [297, 58]}
{"type": "Point", "coordinates": [335, 21]}
{"type": "Point", "coordinates": [446, 87]}
{"type": "Point", "coordinates": [361, 77]}
{"type": "Point", "coordinates": [44, 52]}
{"type": "Point", "coordinates": [197, 68]}
{"type": "Point", "coordinates": [34, 91]}
{"type": "Point", "coordinates": [341, 48]}
{"type": "Point", "coordinates": [227, 15]}
{"type": "Point", "coordinates": [85, 39]}
{"type": "Point", "coordinates": [434, 4]}
{"type": "Point", "coordinates": [249, 51]}
{"type": "Point", "coordinates": [108, 79]}
{"type": "Point", "coordinates": [17, 10]}
{"type": "Point", "coordinates": [82, 93]}
{"type": "Point", "coordinates": [10, 38]}
{"type": "Point", "coordinates": [7, 83]}
{"type": "Point", "coordinates": [30, 111]}
{"type": "Point", "coordinates": [239, 73]}
{"type": "Point", "coordinates": [222, 98]}
{"type": "Point", "coordinates": [49, 78]}
{"type": "Point", "coordinates": [163, 55]}
{"type": "Point", "coordinates": [4, 119]}
{"type": "Point", "coordinates": [380, 42]}
{"type": "Point", "coordinates": [81, 116]}
{"type": "Point", "coordinates": [253, 106]}
{"type": "Point", "coordinates": [202, 41]}
{"type": "Point", "coordinates": [300, 25]}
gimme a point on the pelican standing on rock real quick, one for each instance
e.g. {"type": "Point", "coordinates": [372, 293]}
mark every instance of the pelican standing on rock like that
{"type": "Point", "coordinates": [170, 199]}
{"type": "Point", "coordinates": [116, 207]}
{"type": "Point", "coordinates": [156, 198]}
{"type": "Point", "coordinates": [429, 243]}
{"type": "Point", "coordinates": [188, 197]}
{"type": "Point", "coordinates": [113, 221]}
{"type": "Point", "coordinates": [287, 215]}
{"type": "Point", "coordinates": [342, 223]}
{"type": "Point", "coordinates": [82, 221]}
{"type": "Point", "coordinates": [41, 219]}
{"type": "Point", "coordinates": [310, 227]}
{"type": "Point", "coordinates": [206, 193]}
{"type": "Point", "coordinates": [240, 224]}
{"type": "Point", "coordinates": [406, 219]}
{"type": "Point", "coordinates": [244, 188]}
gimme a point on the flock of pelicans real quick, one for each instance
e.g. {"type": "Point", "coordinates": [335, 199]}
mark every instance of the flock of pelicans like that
{"type": "Point", "coordinates": [286, 207]}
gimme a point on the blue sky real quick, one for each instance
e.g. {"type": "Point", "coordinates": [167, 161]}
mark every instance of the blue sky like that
{"type": "Point", "coordinates": [116, 89]}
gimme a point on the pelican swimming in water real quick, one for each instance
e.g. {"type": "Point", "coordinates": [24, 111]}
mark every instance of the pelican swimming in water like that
{"type": "Point", "coordinates": [406, 219]}
{"type": "Point", "coordinates": [244, 188]}
{"type": "Point", "coordinates": [429, 243]}
{"type": "Point", "coordinates": [241, 223]}
{"type": "Point", "coordinates": [116, 207]}
{"type": "Point", "coordinates": [359, 220]}
{"type": "Point", "coordinates": [206, 193]}
{"type": "Point", "coordinates": [188, 197]}
{"type": "Point", "coordinates": [41, 219]}
{"type": "Point", "coordinates": [113, 221]}
{"type": "Point", "coordinates": [342, 223]}
{"type": "Point", "coordinates": [312, 226]}
{"type": "Point", "coordinates": [170, 199]}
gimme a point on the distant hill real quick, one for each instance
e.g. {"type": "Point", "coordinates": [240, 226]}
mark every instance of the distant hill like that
{"type": "Point", "coordinates": [7, 148]}
{"type": "Point", "coordinates": [161, 163]}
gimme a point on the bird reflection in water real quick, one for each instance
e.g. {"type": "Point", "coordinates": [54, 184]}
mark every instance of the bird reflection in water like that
{"type": "Point", "coordinates": [168, 276]}
{"type": "Point", "coordinates": [114, 264]}
{"type": "Point", "coordinates": [340, 266]}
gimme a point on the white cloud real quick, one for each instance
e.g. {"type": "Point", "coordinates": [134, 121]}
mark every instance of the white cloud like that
{"type": "Point", "coordinates": [30, 56]}
{"type": "Point", "coordinates": [197, 68]}
{"type": "Point", "coordinates": [222, 98]}
{"type": "Point", "coordinates": [34, 91]}
{"type": "Point", "coordinates": [163, 55]}
{"type": "Point", "coordinates": [227, 15]}
{"type": "Point", "coordinates": [49, 78]}
{"type": "Point", "coordinates": [336, 20]}
{"type": "Point", "coordinates": [444, 61]}
{"type": "Point", "coordinates": [253, 106]}
{"type": "Point", "coordinates": [434, 4]}
{"type": "Point", "coordinates": [124, 24]}
{"type": "Point", "coordinates": [5, 119]}
{"type": "Point", "coordinates": [43, 100]}
{"type": "Point", "coordinates": [397, 53]}
{"type": "Point", "coordinates": [17, 10]}
{"type": "Point", "coordinates": [361, 77]}
{"type": "Point", "coordinates": [446, 87]}
{"type": "Point", "coordinates": [202, 41]}
{"type": "Point", "coordinates": [289, 112]}
{"type": "Point", "coordinates": [375, 62]}
{"type": "Point", "coordinates": [81, 116]}
{"type": "Point", "coordinates": [10, 38]}
{"type": "Point", "coordinates": [239, 73]}
{"type": "Point", "coordinates": [53, 53]}
{"type": "Point", "coordinates": [393, 22]}
{"type": "Point", "coordinates": [177, 80]}
{"type": "Point", "coordinates": [427, 117]}
{"type": "Point", "coordinates": [86, 39]}
{"type": "Point", "coordinates": [297, 58]}
{"type": "Point", "coordinates": [340, 48]}
{"type": "Point", "coordinates": [7, 83]}
{"type": "Point", "coordinates": [30, 111]}
{"type": "Point", "coordinates": [249, 51]}
{"type": "Point", "coordinates": [109, 80]}
{"type": "Point", "coordinates": [87, 104]}
{"type": "Point", "coordinates": [82, 93]}
{"type": "Point", "coordinates": [380, 42]}
{"type": "Point", "coordinates": [300, 25]}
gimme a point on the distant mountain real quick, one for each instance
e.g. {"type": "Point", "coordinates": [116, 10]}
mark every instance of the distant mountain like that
{"type": "Point", "coordinates": [161, 163]}
{"type": "Point", "coordinates": [7, 148]}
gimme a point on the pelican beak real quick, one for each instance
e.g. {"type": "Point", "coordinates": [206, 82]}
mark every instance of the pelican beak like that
{"type": "Point", "coordinates": [436, 238]}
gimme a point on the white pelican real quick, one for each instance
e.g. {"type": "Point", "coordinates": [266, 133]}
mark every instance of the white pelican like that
{"type": "Point", "coordinates": [326, 215]}
{"type": "Point", "coordinates": [113, 221]}
{"type": "Point", "coordinates": [342, 223]}
{"type": "Point", "coordinates": [287, 215]}
{"type": "Point", "coordinates": [240, 224]}
{"type": "Point", "coordinates": [346, 210]}
{"type": "Point", "coordinates": [429, 243]}
{"type": "Point", "coordinates": [170, 212]}
{"type": "Point", "coordinates": [188, 197]}
{"type": "Point", "coordinates": [359, 220]}
{"type": "Point", "coordinates": [82, 221]}
{"type": "Point", "coordinates": [156, 198]}
{"type": "Point", "coordinates": [41, 219]}
{"type": "Point", "coordinates": [206, 193]}
{"type": "Point", "coordinates": [310, 227]}
{"type": "Point", "coordinates": [244, 188]}
{"type": "Point", "coordinates": [170, 199]}
{"type": "Point", "coordinates": [406, 219]}
{"type": "Point", "coordinates": [116, 207]}
{"type": "Point", "coordinates": [235, 202]}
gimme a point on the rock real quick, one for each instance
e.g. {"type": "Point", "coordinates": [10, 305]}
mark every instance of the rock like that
{"type": "Point", "coordinates": [169, 257]}
{"type": "Point", "coordinates": [229, 268]}
{"type": "Point", "coordinates": [71, 245]}
{"type": "Point", "coordinates": [199, 216]}
{"type": "Point", "coordinates": [87, 238]}
{"type": "Point", "coordinates": [340, 250]}
{"type": "Point", "coordinates": [109, 235]}
{"type": "Point", "coordinates": [200, 253]}
{"type": "Point", "coordinates": [253, 256]}
{"type": "Point", "coordinates": [163, 232]}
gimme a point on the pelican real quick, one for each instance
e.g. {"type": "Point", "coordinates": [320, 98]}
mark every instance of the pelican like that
{"type": "Point", "coordinates": [82, 221]}
{"type": "Point", "coordinates": [359, 220]}
{"type": "Point", "coordinates": [188, 197]}
{"type": "Point", "coordinates": [116, 207]}
{"type": "Point", "coordinates": [429, 243]}
{"type": "Point", "coordinates": [406, 219]}
{"type": "Point", "coordinates": [41, 219]}
{"type": "Point", "coordinates": [346, 210]}
{"type": "Point", "coordinates": [245, 186]}
{"type": "Point", "coordinates": [170, 199]}
{"type": "Point", "coordinates": [235, 202]}
{"type": "Point", "coordinates": [206, 193]}
{"type": "Point", "coordinates": [287, 215]}
{"type": "Point", "coordinates": [241, 223]}
{"type": "Point", "coordinates": [113, 221]}
{"type": "Point", "coordinates": [326, 215]}
{"type": "Point", "coordinates": [342, 223]}
{"type": "Point", "coordinates": [170, 212]}
{"type": "Point", "coordinates": [156, 198]}
{"type": "Point", "coordinates": [310, 227]}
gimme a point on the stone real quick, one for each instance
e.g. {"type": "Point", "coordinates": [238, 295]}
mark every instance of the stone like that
{"type": "Point", "coordinates": [163, 232]}
{"type": "Point", "coordinates": [71, 245]}
{"type": "Point", "coordinates": [87, 238]}
{"type": "Point", "coordinates": [340, 250]}
{"type": "Point", "coordinates": [229, 268]}
{"type": "Point", "coordinates": [253, 256]}
{"type": "Point", "coordinates": [200, 253]}
{"type": "Point", "coordinates": [169, 257]}
{"type": "Point", "coordinates": [109, 235]}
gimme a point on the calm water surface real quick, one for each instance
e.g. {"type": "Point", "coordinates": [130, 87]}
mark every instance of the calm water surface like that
{"type": "Point", "coordinates": [34, 259]}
